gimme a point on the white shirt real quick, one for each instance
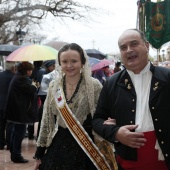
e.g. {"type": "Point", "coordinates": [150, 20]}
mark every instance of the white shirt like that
{"type": "Point", "coordinates": [142, 84]}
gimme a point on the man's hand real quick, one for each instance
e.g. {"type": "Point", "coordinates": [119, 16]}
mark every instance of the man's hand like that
{"type": "Point", "coordinates": [131, 139]}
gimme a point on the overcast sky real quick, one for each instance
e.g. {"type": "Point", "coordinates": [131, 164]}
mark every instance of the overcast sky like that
{"type": "Point", "coordinates": [101, 34]}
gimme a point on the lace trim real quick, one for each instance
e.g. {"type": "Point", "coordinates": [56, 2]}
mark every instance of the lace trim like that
{"type": "Point", "coordinates": [75, 92]}
{"type": "Point", "coordinates": [48, 126]}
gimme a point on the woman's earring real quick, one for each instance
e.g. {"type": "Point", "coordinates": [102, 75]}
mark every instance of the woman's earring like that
{"type": "Point", "coordinates": [82, 70]}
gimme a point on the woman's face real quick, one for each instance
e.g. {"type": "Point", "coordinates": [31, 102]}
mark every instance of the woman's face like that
{"type": "Point", "coordinates": [29, 73]}
{"type": "Point", "coordinates": [70, 62]}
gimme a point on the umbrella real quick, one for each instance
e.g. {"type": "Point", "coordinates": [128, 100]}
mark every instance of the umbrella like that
{"type": "Point", "coordinates": [56, 44]}
{"type": "Point", "coordinates": [101, 64]}
{"type": "Point", "coordinates": [95, 54]}
{"type": "Point", "coordinates": [6, 49]}
{"type": "Point", "coordinates": [93, 61]}
{"type": "Point", "coordinates": [33, 52]}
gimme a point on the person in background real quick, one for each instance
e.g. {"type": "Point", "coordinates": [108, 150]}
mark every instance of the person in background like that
{"type": "Point", "coordinates": [19, 110]}
{"type": "Point", "coordinates": [117, 67]}
{"type": "Point", "coordinates": [5, 78]}
{"type": "Point", "coordinates": [37, 67]}
{"type": "Point", "coordinates": [56, 147]}
{"type": "Point", "coordinates": [107, 71]}
{"type": "Point", "coordinates": [133, 110]}
{"type": "Point", "coordinates": [155, 63]}
{"type": "Point", "coordinates": [99, 74]}
{"type": "Point", "coordinates": [49, 66]}
{"type": "Point", "coordinates": [47, 78]}
{"type": "Point", "coordinates": [1, 68]}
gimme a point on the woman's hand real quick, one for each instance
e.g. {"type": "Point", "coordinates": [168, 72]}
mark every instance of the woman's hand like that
{"type": "Point", "coordinates": [36, 84]}
{"type": "Point", "coordinates": [110, 121]}
{"type": "Point", "coordinates": [37, 163]}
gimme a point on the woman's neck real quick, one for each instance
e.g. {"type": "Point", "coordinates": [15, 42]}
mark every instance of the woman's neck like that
{"type": "Point", "coordinates": [71, 88]}
{"type": "Point", "coordinates": [73, 80]}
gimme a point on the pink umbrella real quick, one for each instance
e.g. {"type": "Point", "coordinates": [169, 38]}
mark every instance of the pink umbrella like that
{"type": "Point", "coordinates": [101, 64]}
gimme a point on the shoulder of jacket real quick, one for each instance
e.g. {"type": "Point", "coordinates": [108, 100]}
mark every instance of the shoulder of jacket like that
{"type": "Point", "coordinates": [51, 84]}
{"type": "Point", "coordinates": [96, 82]}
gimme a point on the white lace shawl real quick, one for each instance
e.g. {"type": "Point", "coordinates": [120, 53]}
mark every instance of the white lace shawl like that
{"type": "Point", "coordinates": [81, 109]}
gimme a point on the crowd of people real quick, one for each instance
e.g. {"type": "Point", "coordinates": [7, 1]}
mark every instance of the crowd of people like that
{"type": "Point", "coordinates": [128, 108]}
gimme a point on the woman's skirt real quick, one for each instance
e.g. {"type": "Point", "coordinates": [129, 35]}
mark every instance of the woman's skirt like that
{"type": "Point", "coordinates": [64, 153]}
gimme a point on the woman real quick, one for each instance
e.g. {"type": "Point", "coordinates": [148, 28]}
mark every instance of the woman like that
{"type": "Point", "coordinates": [20, 108]}
{"type": "Point", "coordinates": [80, 91]}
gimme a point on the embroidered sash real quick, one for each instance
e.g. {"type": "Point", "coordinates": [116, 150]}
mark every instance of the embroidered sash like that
{"type": "Point", "coordinates": [79, 133]}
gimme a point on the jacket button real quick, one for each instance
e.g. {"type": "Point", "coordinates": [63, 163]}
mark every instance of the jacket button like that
{"type": "Point", "coordinates": [131, 122]}
{"type": "Point", "coordinates": [162, 142]}
{"type": "Point", "coordinates": [153, 108]}
{"type": "Point", "coordinates": [156, 119]}
{"type": "Point", "coordinates": [160, 130]}
{"type": "Point", "coordinates": [166, 155]}
{"type": "Point", "coordinates": [133, 110]}
{"type": "Point", "coordinates": [133, 100]}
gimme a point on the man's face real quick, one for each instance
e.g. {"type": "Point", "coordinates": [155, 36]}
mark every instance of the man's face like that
{"type": "Point", "coordinates": [51, 68]}
{"type": "Point", "coordinates": [134, 51]}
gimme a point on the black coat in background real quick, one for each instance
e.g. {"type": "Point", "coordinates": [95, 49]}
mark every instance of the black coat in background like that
{"type": "Point", "coordinates": [20, 105]}
{"type": "Point", "coordinates": [5, 78]}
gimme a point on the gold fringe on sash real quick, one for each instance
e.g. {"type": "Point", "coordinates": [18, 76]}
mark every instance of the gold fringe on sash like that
{"type": "Point", "coordinates": [107, 149]}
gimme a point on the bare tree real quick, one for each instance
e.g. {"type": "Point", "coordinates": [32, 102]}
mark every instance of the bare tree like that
{"type": "Point", "coordinates": [24, 14]}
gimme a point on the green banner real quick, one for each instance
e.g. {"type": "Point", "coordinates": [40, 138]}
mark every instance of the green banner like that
{"type": "Point", "coordinates": [157, 23]}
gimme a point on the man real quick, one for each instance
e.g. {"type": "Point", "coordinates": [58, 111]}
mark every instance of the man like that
{"type": "Point", "coordinates": [37, 67]}
{"type": "Point", "coordinates": [49, 66]}
{"type": "Point", "coordinates": [5, 78]}
{"type": "Point", "coordinates": [137, 101]}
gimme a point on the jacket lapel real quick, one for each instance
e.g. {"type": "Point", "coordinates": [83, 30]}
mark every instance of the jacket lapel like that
{"type": "Point", "coordinates": [126, 83]}
{"type": "Point", "coordinates": [156, 84]}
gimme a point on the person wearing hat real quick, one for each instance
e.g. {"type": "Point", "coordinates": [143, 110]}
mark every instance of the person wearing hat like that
{"type": "Point", "coordinates": [49, 66]}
